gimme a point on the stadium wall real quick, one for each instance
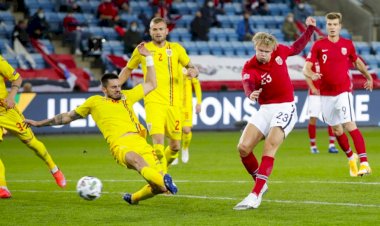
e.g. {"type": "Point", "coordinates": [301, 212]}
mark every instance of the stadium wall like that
{"type": "Point", "coordinates": [220, 110]}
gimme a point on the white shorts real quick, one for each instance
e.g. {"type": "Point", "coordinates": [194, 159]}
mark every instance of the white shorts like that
{"type": "Point", "coordinates": [339, 109]}
{"type": "Point", "coordinates": [314, 106]}
{"type": "Point", "coordinates": [283, 115]}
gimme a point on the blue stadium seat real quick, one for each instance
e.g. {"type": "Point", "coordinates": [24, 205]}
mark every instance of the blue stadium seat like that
{"type": "Point", "coordinates": [258, 22]}
{"type": "Point", "coordinates": [96, 31]}
{"type": "Point", "coordinates": [7, 17]}
{"type": "Point", "coordinates": [239, 48]}
{"type": "Point", "coordinates": [192, 7]}
{"type": "Point", "coordinates": [190, 48]}
{"type": "Point", "coordinates": [229, 9]}
{"type": "Point", "coordinates": [117, 47]}
{"type": "Point", "coordinates": [11, 60]}
{"type": "Point", "coordinates": [228, 50]}
{"type": "Point", "coordinates": [378, 60]}
{"type": "Point", "coordinates": [345, 34]}
{"type": "Point", "coordinates": [48, 45]}
{"type": "Point", "coordinates": [225, 21]}
{"type": "Point", "coordinates": [215, 48]}
{"type": "Point", "coordinates": [376, 47]}
{"type": "Point", "coordinates": [362, 48]}
{"type": "Point", "coordinates": [370, 60]}
{"type": "Point", "coordinates": [202, 47]}
{"type": "Point", "coordinates": [109, 33]}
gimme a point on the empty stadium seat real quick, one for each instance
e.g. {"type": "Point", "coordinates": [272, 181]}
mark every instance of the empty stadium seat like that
{"type": "Point", "coordinates": [362, 48]}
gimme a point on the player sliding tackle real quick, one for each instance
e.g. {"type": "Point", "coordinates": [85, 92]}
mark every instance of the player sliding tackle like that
{"type": "Point", "coordinates": [125, 135]}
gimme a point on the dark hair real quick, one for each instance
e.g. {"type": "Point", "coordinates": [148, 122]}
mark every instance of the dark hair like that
{"type": "Point", "coordinates": [106, 77]}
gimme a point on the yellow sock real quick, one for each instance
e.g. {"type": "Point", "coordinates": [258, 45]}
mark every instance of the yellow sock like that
{"type": "Point", "coordinates": [142, 194]}
{"type": "Point", "coordinates": [186, 139]}
{"type": "Point", "coordinates": [39, 148]}
{"type": "Point", "coordinates": [3, 183]}
{"type": "Point", "coordinates": [152, 176]}
{"type": "Point", "coordinates": [159, 148]}
{"type": "Point", "coordinates": [170, 155]}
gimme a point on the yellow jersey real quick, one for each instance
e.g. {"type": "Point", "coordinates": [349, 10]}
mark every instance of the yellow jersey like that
{"type": "Point", "coordinates": [8, 72]}
{"type": "Point", "coordinates": [114, 118]}
{"type": "Point", "coordinates": [188, 84]}
{"type": "Point", "coordinates": [167, 61]}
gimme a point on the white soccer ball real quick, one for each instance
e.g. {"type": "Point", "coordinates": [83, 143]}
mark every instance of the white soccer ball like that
{"type": "Point", "coordinates": [89, 188]}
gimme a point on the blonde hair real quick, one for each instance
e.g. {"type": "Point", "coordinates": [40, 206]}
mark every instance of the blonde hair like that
{"type": "Point", "coordinates": [265, 39]}
{"type": "Point", "coordinates": [157, 20]}
{"type": "Point", "coordinates": [333, 16]}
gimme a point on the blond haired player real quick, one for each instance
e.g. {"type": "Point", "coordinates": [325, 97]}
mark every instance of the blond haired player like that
{"type": "Point", "coordinates": [187, 113]}
{"type": "Point", "coordinates": [163, 105]}
{"type": "Point", "coordinates": [114, 115]}
{"type": "Point", "coordinates": [12, 120]}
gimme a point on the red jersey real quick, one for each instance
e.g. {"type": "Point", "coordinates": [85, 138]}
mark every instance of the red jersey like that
{"type": "Point", "coordinates": [334, 61]}
{"type": "Point", "coordinates": [272, 77]}
{"type": "Point", "coordinates": [70, 23]}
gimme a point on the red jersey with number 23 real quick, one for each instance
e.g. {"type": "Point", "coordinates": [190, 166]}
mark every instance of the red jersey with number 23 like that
{"type": "Point", "coordinates": [334, 61]}
{"type": "Point", "coordinates": [272, 77]}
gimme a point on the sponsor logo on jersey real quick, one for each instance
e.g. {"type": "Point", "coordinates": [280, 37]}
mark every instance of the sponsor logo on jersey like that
{"type": "Point", "coordinates": [324, 50]}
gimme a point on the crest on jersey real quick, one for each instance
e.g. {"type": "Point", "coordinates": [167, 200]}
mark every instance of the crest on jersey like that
{"type": "Point", "coordinates": [169, 52]}
{"type": "Point", "coordinates": [279, 60]}
{"type": "Point", "coordinates": [246, 76]}
{"type": "Point", "coordinates": [344, 50]}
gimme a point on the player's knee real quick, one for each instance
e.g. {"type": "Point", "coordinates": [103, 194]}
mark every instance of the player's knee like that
{"type": "Point", "coordinates": [243, 149]}
{"type": "Point", "coordinates": [186, 130]}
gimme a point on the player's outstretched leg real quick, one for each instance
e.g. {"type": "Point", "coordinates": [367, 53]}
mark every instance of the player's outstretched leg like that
{"type": "Point", "coordinates": [39, 148]}
{"type": "Point", "coordinates": [169, 184]}
{"type": "Point", "coordinates": [4, 192]}
{"type": "Point", "coordinates": [145, 192]}
{"type": "Point", "coordinates": [252, 201]}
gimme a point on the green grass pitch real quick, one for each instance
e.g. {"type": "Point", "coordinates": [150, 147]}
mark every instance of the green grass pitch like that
{"type": "Point", "coordinates": [304, 189]}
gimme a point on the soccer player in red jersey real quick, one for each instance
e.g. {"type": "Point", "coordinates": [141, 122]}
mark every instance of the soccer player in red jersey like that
{"type": "Point", "coordinates": [334, 54]}
{"type": "Point", "coordinates": [314, 111]}
{"type": "Point", "coordinates": [266, 80]}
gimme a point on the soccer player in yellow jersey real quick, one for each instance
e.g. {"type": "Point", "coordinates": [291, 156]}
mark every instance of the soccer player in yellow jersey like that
{"type": "Point", "coordinates": [163, 105]}
{"type": "Point", "coordinates": [187, 113]}
{"type": "Point", "coordinates": [114, 115]}
{"type": "Point", "coordinates": [12, 120]}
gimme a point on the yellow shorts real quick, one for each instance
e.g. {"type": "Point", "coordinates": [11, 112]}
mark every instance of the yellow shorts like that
{"type": "Point", "coordinates": [187, 117]}
{"type": "Point", "coordinates": [13, 121]}
{"type": "Point", "coordinates": [137, 144]}
{"type": "Point", "coordinates": [164, 119]}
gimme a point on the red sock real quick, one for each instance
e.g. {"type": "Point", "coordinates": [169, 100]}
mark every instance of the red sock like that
{"type": "Point", "coordinates": [358, 139]}
{"type": "Point", "coordinates": [265, 170]}
{"type": "Point", "coordinates": [251, 165]}
{"type": "Point", "coordinates": [331, 136]}
{"type": "Point", "coordinates": [312, 129]}
{"type": "Point", "coordinates": [344, 144]}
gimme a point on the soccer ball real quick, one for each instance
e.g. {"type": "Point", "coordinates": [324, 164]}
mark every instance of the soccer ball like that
{"type": "Point", "coordinates": [89, 188]}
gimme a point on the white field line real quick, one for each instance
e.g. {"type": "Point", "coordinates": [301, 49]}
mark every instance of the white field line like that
{"type": "Point", "coordinates": [217, 181]}
{"type": "Point", "coordinates": [229, 198]}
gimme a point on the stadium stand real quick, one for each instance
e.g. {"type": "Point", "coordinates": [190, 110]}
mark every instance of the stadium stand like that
{"type": "Point", "coordinates": [222, 40]}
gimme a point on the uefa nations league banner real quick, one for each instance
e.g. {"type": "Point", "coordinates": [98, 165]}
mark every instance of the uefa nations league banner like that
{"type": "Point", "coordinates": [220, 110]}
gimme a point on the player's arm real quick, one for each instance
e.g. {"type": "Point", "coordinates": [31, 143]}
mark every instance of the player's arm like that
{"type": "Point", "coordinates": [312, 87]}
{"type": "Point", "coordinates": [150, 82]}
{"type": "Point", "coordinates": [124, 74]}
{"type": "Point", "coordinates": [301, 42]}
{"type": "Point", "coordinates": [15, 86]}
{"type": "Point", "coordinates": [60, 119]}
{"type": "Point", "coordinates": [192, 70]}
{"type": "Point", "coordinates": [359, 64]}
{"type": "Point", "coordinates": [309, 73]}
{"type": "Point", "coordinates": [198, 94]}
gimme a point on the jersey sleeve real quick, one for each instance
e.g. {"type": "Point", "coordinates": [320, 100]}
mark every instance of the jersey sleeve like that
{"type": "Point", "coordinates": [135, 94]}
{"type": "Point", "coordinates": [85, 108]}
{"type": "Point", "coordinates": [312, 55]}
{"type": "Point", "coordinates": [7, 71]}
{"type": "Point", "coordinates": [353, 56]}
{"type": "Point", "coordinates": [248, 81]}
{"type": "Point", "coordinates": [197, 89]}
{"type": "Point", "coordinates": [183, 58]}
{"type": "Point", "coordinates": [135, 60]}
